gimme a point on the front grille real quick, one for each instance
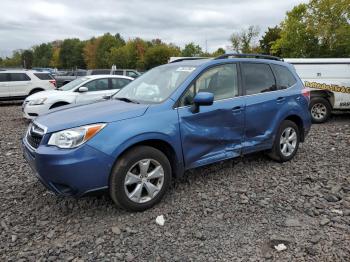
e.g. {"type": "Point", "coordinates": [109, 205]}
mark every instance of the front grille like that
{"type": "Point", "coordinates": [34, 135]}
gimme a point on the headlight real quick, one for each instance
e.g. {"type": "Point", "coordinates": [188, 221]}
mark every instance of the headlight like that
{"type": "Point", "coordinates": [37, 102]}
{"type": "Point", "coordinates": [71, 138]}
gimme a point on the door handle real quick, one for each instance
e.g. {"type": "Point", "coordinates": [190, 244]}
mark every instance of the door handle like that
{"type": "Point", "coordinates": [236, 109]}
{"type": "Point", "coordinates": [280, 99]}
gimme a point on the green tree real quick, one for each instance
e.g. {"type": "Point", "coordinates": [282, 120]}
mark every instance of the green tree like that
{"type": "Point", "coordinates": [71, 54]}
{"type": "Point", "coordinates": [160, 54]}
{"type": "Point", "coordinates": [42, 55]}
{"type": "Point", "coordinates": [320, 28]}
{"type": "Point", "coordinates": [243, 41]}
{"type": "Point", "coordinates": [218, 52]}
{"type": "Point", "coordinates": [27, 58]}
{"type": "Point", "coordinates": [103, 50]}
{"type": "Point", "coordinates": [192, 50]}
{"type": "Point", "coordinates": [269, 38]}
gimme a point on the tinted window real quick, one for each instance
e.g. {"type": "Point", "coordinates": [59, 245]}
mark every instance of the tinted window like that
{"type": "Point", "coordinates": [81, 73]}
{"type": "Point", "coordinates": [220, 80]}
{"type": "Point", "coordinates": [43, 76]}
{"type": "Point", "coordinates": [97, 85]}
{"type": "Point", "coordinates": [3, 77]}
{"type": "Point", "coordinates": [118, 83]}
{"type": "Point", "coordinates": [258, 78]}
{"type": "Point", "coordinates": [19, 77]}
{"type": "Point", "coordinates": [284, 77]}
{"type": "Point", "coordinates": [118, 72]}
{"type": "Point", "coordinates": [132, 74]}
{"type": "Point", "coordinates": [100, 72]}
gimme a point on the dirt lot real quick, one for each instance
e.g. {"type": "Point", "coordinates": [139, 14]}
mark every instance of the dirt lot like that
{"type": "Point", "coordinates": [236, 210]}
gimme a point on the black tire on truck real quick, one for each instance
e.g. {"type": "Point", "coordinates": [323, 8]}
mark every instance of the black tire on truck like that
{"type": "Point", "coordinates": [320, 109]}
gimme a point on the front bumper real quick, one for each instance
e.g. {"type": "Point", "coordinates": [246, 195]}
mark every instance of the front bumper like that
{"type": "Point", "coordinates": [31, 112]}
{"type": "Point", "coordinates": [72, 172]}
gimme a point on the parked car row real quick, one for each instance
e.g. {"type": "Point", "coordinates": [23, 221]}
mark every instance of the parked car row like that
{"type": "Point", "coordinates": [86, 89]}
{"type": "Point", "coordinates": [175, 117]}
{"type": "Point", "coordinates": [68, 76]}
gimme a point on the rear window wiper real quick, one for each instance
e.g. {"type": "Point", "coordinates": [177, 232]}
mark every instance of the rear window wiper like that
{"type": "Point", "coordinates": [128, 100]}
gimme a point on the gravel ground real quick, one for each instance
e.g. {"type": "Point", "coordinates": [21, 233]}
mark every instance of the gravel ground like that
{"type": "Point", "coordinates": [237, 210]}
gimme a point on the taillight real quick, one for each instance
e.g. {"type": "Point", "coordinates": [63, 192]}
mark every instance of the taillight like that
{"type": "Point", "coordinates": [53, 82]}
{"type": "Point", "coordinates": [306, 92]}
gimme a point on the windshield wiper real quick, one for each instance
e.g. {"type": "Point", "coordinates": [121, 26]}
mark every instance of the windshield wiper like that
{"type": "Point", "coordinates": [128, 100]}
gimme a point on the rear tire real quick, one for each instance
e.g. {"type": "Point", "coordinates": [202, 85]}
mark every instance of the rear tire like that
{"type": "Point", "coordinates": [320, 110]}
{"type": "Point", "coordinates": [133, 185]}
{"type": "Point", "coordinates": [35, 91]}
{"type": "Point", "coordinates": [286, 142]}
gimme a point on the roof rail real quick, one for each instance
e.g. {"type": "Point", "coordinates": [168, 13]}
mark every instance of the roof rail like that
{"type": "Point", "coordinates": [188, 58]}
{"type": "Point", "coordinates": [270, 57]}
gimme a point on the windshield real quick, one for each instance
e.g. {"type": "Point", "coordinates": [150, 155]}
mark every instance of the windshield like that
{"type": "Point", "coordinates": [156, 85]}
{"type": "Point", "coordinates": [71, 85]}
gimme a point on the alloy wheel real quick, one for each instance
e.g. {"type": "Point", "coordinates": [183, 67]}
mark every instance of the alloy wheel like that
{"type": "Point", "coordinates": [144, 180]}
{"type": "Point", "coordinates": [288, 141]}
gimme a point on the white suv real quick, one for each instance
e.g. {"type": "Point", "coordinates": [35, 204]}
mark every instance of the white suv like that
{"type": "Point", "coordinates": [18, 84]}
{"type": "Point", "coordinates": [82, 90]}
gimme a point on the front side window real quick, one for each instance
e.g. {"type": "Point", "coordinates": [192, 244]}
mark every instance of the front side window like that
{"type": "Point", "coordinates": [258, 78]}
{"type": "Point", "coordinates": [97, 85]}
{"type": "Point", "coordinates": [221, 81]}
{"type": "Point", "coordinates": [284, 77]}
{"type": "Point", "coordinates": [19, 77]}
{"type": "Point", "coordinates": [73, 84]}
{"type": "Point", "coordinates": [81, 73]}
{"type": "Point", "coordinates": [3, 77]}
{"type": "Point", "coordinates": [118, 83]}
{"type": "Point", "coordinates": [156, 85]}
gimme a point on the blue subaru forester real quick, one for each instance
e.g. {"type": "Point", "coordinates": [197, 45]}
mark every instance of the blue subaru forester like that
{"type": "Point", "coordinates": [175, 117]}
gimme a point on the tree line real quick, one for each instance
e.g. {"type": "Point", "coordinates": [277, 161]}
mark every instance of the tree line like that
{"type": "Point", "coordinates": [319, 28]}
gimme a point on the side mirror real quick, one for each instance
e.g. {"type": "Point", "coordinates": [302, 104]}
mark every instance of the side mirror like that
{"type": "Point", "coordinates": [202, 99]}
{"type": "Point", "coordinates": [83, 89]}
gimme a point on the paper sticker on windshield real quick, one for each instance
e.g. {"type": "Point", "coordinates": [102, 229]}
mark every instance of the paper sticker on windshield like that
{"type": "Point", "coordinates": [185, 69]}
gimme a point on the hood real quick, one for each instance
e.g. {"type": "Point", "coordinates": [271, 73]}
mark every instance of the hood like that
{"type": "Point", "coordinates": [48, 94]}
{"type": "Point", "coordinates": [101, 112]}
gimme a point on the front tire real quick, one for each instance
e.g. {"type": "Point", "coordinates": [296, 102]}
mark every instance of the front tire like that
{"type": "Point", "coordinates": [320, 110]}
{"type": "Point", "coordinates": [286, 143]}
{"type": "Point", "coordinates": [140, 178]}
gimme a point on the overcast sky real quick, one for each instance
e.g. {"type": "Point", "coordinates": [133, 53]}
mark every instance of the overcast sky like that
{"type": "Point", "coordinates": [26, 23]}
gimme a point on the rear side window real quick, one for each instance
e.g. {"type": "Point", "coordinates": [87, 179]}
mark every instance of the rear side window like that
{"type": "Point", "coordinates": [81, 73]}
{"type": "Point", "coordinates": [284, 77]}
{"type": "Point", "coordinates": [100, 72]}
{"type": "Point", "coordinates": [3, 77]}
{"type": "Point", "coordinates": [118, 72]}
{"type": "Point", "coordinates": [132, 74]}
{"type": "Point", "coordinates": [97, 85]}
{"type": "Point", "coordinates": [118, 83]}
{"type": "Point", "coordinates": [258, 78]}
{"type": "Point", "coordinates": [19, 77]}
{"type": "Point", "coordinates": [43, 76]}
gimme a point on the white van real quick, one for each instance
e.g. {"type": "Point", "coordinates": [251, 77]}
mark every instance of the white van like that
{"type": "Point", "coordinates": [329, 81]}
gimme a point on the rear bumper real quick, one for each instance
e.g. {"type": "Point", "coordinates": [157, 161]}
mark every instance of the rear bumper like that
{"type": "Point", "coordinates": [69, 172]}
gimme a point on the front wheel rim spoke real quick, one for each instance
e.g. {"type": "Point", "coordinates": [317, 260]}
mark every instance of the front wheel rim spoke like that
{"type": "Point", "coordinates": [136, 194]}
{"type": "Point", "coordinates": [156, 173]}
{"type": "Point", "coordinates": [151, 189]}
{"type": "Point", "coordinates": [144, 166]}
{"type": "Point", "coordinates": [132, 179]}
